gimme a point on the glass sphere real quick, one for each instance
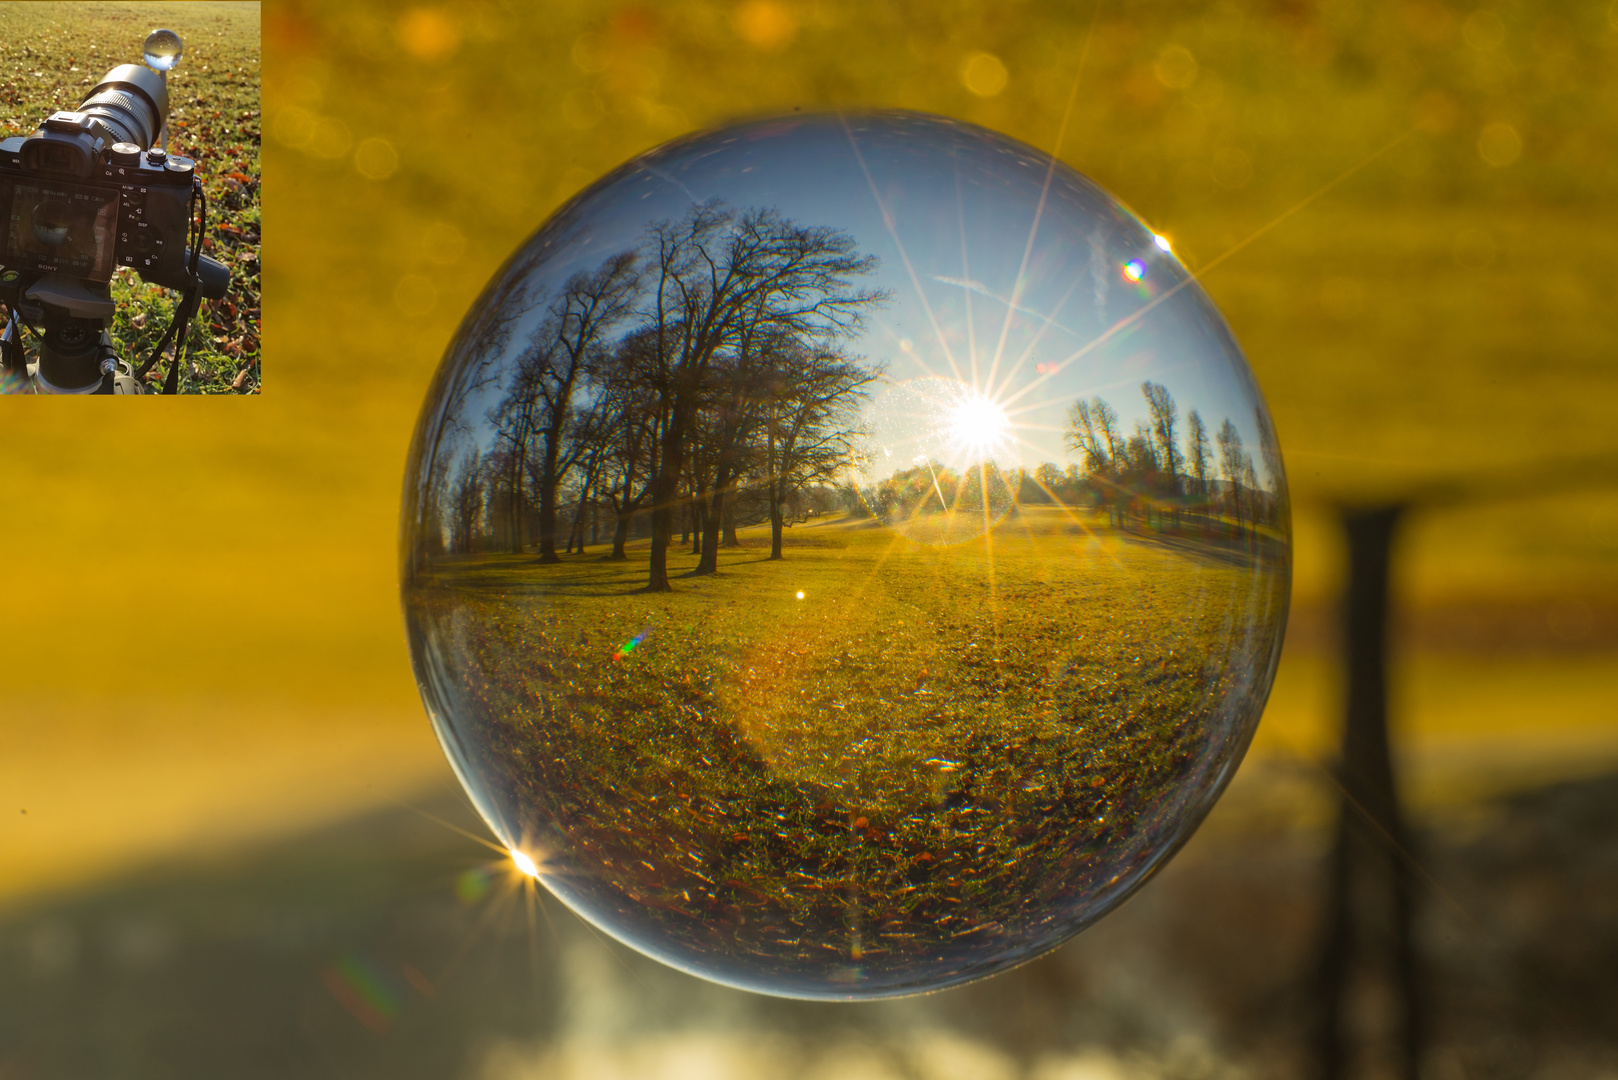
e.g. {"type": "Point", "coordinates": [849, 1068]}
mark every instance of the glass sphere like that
{"type": "Point", "coordinates": [163, 49]}
{"type": "Point", "coordinates": [844, 555]}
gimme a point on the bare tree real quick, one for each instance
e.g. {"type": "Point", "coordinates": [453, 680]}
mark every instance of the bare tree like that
{"type": "Point", "coordinates": [1164, 417]}
{"type": "Point", "coordinates": [540, 402]}
{"type": "Point", "coordinates": [1051, 482]}
{"type": "Point", "coordinates": [811, 397]}
{"type": "Point", "coordinates": [1198, 457]}
{"type": "Point", "coordinates": [734, 413]}
{"type": "Point", "coordinates": [471, 365]}
{"type": "Point", "coordinates": [712, 273]}
{"type": "Point", "coordinates": [466, 497]}
{"type": "Point", "coordinates": [1234, 465]}
{"type": "Point", "coordinates": [630, 428]}
{"type": "Point", "coordinates": [1092, 429]}
{"type": "Point", "coordinates": [1270, 453]}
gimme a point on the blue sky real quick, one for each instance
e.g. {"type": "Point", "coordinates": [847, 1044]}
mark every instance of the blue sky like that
{"type": "Point", "coordinates": [1027, 299]}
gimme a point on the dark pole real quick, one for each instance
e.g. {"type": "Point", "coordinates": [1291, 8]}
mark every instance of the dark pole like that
{"type": "Point", "coordinates": [1370, 861]}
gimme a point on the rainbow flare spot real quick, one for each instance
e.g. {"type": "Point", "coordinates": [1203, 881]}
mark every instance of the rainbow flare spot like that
{"type": "Point", "coordinates": [629, 646]}
{"type": "Point", "coordinates": [1134, 269]}
{"type": "Point", "coordinates": [368, 994]}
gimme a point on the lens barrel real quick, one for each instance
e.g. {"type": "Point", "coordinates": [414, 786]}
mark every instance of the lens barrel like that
{"type": "Point", "coordinates": [130, 104]}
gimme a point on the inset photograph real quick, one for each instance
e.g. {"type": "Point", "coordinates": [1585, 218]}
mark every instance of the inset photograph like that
{"type": "Point", "coordinates": [130, 184]}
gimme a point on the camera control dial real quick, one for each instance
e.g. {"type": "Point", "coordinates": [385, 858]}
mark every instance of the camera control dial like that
{"type": "Point", "coordinates": [125, 153]}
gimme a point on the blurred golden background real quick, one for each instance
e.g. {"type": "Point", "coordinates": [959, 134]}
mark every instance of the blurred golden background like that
{"type": "Point", "coordinates": [1404, 210]}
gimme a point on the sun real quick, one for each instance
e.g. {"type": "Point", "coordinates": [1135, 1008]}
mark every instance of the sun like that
{"type": "Point", "coordinates": [977, 426]}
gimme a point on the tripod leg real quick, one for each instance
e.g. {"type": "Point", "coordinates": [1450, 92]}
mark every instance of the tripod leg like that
{"type": "Point", "coordinates": [1336, 951]}
{"type": "Point", "coordinates": [1371, 836]}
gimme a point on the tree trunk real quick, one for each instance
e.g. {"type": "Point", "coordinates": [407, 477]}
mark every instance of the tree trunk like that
{"type": "Point", "coordinates": [730, 526]}
{"type": "Point", "coordinates": [577, 529]}
{"type": "Point", "coordinates": [657, 577]}
{"type": "Point", "coordinates": [516, 504]}
{"type": "Point", "coordinates": [664, 493]}
{"type": "Point", "coordinates": [665, 496]}
{"type": "Point", "coordinates": [547, 521]}
{"type": "Point", "coordinates": [776, 529]}
{"type": "Point", "coordinates": [620, 535]}
{"type": "Point", "coordinates": [712, 518]}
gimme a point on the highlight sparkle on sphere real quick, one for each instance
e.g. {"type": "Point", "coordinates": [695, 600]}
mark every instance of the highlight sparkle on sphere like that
{"type": "Point", "coordinates": [908, 365]}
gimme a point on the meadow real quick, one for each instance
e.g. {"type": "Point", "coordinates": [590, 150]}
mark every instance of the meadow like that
{"type": "Point", "coordinates": [871, 758]}
{"type": "Point", "coordinates": [52, 55]}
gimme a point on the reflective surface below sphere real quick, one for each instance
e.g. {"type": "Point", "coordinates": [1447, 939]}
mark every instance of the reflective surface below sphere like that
{"type": "Point", "coordinates": [847, 554]}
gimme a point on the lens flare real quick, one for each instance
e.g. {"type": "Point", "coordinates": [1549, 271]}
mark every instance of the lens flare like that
{"type": "Point", "coordinates": [930, 468]}
{"type": "Point", "coordinates": [524, 864]}
{"type": "Point", "coordinates": [978, 426]}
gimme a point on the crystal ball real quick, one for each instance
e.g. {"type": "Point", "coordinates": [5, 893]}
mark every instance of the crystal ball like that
{"type": "Point", "coordinates": [162, 50]}
{"type": "Point", "coordinates": [844, 555]}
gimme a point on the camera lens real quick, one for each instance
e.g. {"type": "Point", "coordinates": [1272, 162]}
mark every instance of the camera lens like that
{"type": "Point", "coordinates": [51, 219]}
{"type": "Point", "coordinates": [130, 104]}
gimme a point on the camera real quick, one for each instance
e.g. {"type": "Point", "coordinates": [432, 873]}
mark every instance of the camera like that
{"type": "Point", "coordinates": [90, 191]}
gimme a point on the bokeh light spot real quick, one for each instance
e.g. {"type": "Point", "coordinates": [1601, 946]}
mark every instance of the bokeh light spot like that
{"type": "Point", "coordinates": [376, 159]}
{"type": "Point", "coordinates": [766, 24]}
{"type": "Point", "coordinates": [1175, 67]}
{"type": "Point", "coordinates": [984, 74]}
{"type": "Point", "coordinates": [428, 34]}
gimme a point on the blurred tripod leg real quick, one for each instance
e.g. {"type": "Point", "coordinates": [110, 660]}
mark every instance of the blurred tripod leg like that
{"type": "Point", "coordinates": [1371, 847]}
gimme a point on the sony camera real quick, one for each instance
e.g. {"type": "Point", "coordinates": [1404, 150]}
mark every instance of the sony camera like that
{"type": "Point", "coordinates": [90, 191]}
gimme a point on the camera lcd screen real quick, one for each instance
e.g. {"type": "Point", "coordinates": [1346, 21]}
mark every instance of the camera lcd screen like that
{"type": "Point", "coordinates": [61, 228]}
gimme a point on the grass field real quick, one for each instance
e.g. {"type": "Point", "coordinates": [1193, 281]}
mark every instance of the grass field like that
{"type": "Point", "coordinates": [53, 54]}
{"type": "Point", "coordinates": [873, 762]}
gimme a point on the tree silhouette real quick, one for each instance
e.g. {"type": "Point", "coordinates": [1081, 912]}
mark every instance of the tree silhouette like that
{"type": "Point", "coordinates": [810, 400]}
{"type": "Point", "coordinates": [1234, 465]}
{"type": "Point", "coordinates": [1161, 407]}
{"type": "Point", "coordinates": [540, 401]}
{"type": "Point", "coordinates": [1270, 453]}
{"type": "Point", "coordinates": [712, 275]}
{"type": "Point", "coordinates": [631, 430]}
{"type": "Point", "coordinates": [1197, 452]}
{"type": "Point", "coordinates": [1092, 430]}
{"type": "Point", "coordinates": [466, 498]}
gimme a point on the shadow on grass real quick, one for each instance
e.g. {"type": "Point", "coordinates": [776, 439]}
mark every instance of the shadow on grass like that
{"type": "Point", "coordinates": [253, 966]}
